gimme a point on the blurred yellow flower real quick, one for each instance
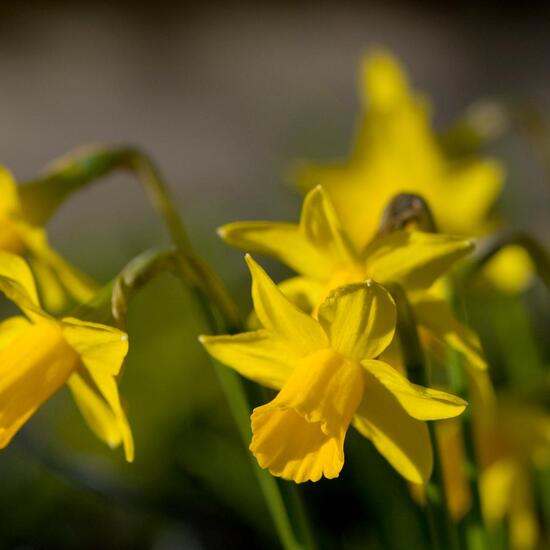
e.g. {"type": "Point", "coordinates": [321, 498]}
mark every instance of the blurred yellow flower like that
{"type": "Point", "coordinates": [396, 151]}
{"type": "Point", "coordinates": [55, 276]}
{"type": "Point", "coordinates": [38, 354]}
{"type": "Point", "coordinates": [319, 249]}
{"type": "Point", "coordinates": [328, 376]}
{"type": "Point", "coordinates": [516, 438]}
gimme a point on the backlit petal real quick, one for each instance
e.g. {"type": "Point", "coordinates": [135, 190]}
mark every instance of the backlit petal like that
{"type": "Point", "coordinates": [258, 355]}
{"type": "Point", "coordinates": [359, 319]}
{"type": "Point", "coordinates": [276, 313]}
{"type": "Point", "coordinates": [412, 258]}
{"type": "Point", "coordinates": [95, 410]}
{"type": "Point", "coordinates": [401, 439]}
{"type": "Point", "coordinates": [322, 229]}
{"type": "Point", "coordinates": [283, 241]}
{"type": "Point", "coordinates": [11, 327]}
{"type": "Point", "coordinates": [419, 402]}
{"type": "Point", "coordinates": [9, 198]}
{"type": "Point", "coordinates": [17, 283]}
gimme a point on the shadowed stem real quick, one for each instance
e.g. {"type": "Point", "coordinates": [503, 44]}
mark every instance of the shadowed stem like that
{"type": "Point", "coordinates": [443, 532]}
{"type": "Point", "coordinates": [84, 167]}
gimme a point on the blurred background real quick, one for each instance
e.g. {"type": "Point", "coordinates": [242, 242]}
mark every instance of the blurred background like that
{"type": "Point", "coordinates": [223, 96]}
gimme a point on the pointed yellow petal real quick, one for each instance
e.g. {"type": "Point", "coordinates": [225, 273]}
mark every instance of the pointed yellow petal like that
{"type": "Point", "coordinates": [95, 410]}
{"type": "Point", "coordinates": [322, 229]}
{"type": "Point", "coordinates": [412, 258]}
{"type": "Point", "coordinates": [17, 283]}
{"type": "Point", "coordinates": [419, 402]}
{"type": "Point", "coordinates": [383, 82]}
{"type": "Point", "coordinates": [258, 355]}
{"type": "Point", "coordinates": [101, 347]}
{"type": "Point", "coordinates": [439, 319]}
{"type": "Point", "coordinates": [61, 274]}
{"type": "Point", "coordinates": [300, 434]}
{"type": "Point", "coordinates": [359, 319]}
{"type": "Point", "coordinates": [277, 314]}
{"type": "Point", "coordinates": [283, 241]}
{"type": "Point", "coordinates": [33, 366]}
{"type": "Point", "coordinates": [102, 350]}
{"type": "Point", "coordinates": [403, 441]}
{"type": "Point", "coordinates": [9, 198]}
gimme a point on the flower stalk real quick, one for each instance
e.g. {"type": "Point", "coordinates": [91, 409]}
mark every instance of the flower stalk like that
{"type": "Point", "coordinates": [84, 167]}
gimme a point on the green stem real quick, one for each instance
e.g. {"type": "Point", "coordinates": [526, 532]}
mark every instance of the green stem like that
{"type": "Point", "coordinates": [220, 310]}
{"type": "Point", "coordinates": [442, 528]}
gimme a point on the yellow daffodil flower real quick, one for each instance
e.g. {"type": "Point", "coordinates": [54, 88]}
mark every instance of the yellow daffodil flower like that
{"type": "Point", "coordinates": [396, 151]}
{"type": "Point", "coordinates": [320, 251]}
{"type": "Point", "coordinates": [328, 375]}
{"type": "Point", "coordinates": [55, 276]}
{"type": "Point", "coordinates": [39, 354]}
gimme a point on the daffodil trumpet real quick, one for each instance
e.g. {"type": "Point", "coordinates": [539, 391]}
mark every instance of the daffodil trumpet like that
{"type": "Point", "coordinates": [40, 354]}
{"type": "Point", "coordinates": [328, 376]}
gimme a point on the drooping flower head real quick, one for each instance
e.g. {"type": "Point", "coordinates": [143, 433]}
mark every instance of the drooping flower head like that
{"type": "Point", "coordinates": [328, 375]}
{"type": "Point", "coordinates": [17, 235]}
{"type": "Point", "coordinates": [39, 354]}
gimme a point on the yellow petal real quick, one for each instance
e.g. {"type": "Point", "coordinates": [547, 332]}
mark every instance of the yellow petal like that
{"type": "Point", "coordinates": [383, 82]}
{"type": "Point", "coordinates": [439, 319]}
{"type": "Point", "coordinates": [283, 241]}
{"type": "Point", "coordinates": [412, 258]}
{"type": "Point", "coordinates": [52, 293]}
{"type": "Point", "coordinates": [278, 315]}
{"type": "Point", "coordinates": [11, 327]}
{"type": "Point", "coordinates": [95, 410]}
{"type": "Point", "coordinates": [33, 366]}
{"type": "Point", "coordinates": [322, 229]}
{"type": "Point", "coordinates": [496, 483]}
{"type": "Point", "coordinates": [474, 188]}
{"type": "Point", "coordinates": [102, 350]}
{"type": "Point", "coordinates": [402, 440]}
{"type": "Point", "coordinates": [419, 402]}
{"type": "Point", "coordinates": [258, 355]}
{"type": "Point", "coordinates": [17, 283]}
{"type": "Point", "coordinates": [77, 284]}
{"type": "Point", "coordinates": [359, 319]}
{"type": "Point", "coordinates": [9, 198]}
{"type": "Point", "coordinates": [300, 434]}
{"type": "Point", "coordinates": [511, 270]}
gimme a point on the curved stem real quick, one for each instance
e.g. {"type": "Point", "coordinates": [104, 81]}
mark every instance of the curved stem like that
{"type": "Point", "coordinates": [218, 307]}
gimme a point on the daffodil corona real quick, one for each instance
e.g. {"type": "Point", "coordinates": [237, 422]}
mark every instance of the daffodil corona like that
{"type": "Point", "coordinates": [328, 376]}
{"type": "Point", "coordinates": [39, 354]}
{"type": "Point", "coordinates": [17, 235]}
